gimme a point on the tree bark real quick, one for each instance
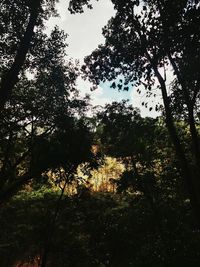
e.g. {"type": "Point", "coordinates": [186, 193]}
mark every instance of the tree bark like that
{"type": "Point", "coordinates": [190, 107]}
{"type": "Point", "coordinates": [10, 78]}
{"type": "Point", "coordinates": [184, 165]}
{"type": "Point", "coordinates": [188, 99]}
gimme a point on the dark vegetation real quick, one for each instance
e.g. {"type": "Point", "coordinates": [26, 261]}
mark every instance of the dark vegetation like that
{"type": "Point", "coordinates": [49, 213]}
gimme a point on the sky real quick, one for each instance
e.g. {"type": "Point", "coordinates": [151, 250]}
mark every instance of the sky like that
{"type": "Point", "coordinates": [85, 34]}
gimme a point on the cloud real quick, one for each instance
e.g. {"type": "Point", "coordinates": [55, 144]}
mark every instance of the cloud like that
{"type": "Point", "coordinates": [103, 94]}
{"type": "Point", "coordinates": [85, 30]}
{"type": "Point", "coordinates": [97, 96]}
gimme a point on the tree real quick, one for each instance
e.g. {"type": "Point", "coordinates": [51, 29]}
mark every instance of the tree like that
{"type": "Point", "coordinates": [22, 24]}
{"type": "Point", "coordinates": [141, 41]}
{"type": "Point", "coordinates": [43, 126]}
{"type": "Point", "coordinates": [19, 20]}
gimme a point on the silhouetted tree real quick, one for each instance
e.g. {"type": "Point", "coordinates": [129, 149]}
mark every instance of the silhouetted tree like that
{"type": "Point", "coordinates": [143, 41]}
{"type": "Point", "coordinates": [43, 125]}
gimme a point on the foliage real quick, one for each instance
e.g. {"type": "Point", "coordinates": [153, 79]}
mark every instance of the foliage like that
{"type": "Point", "coordinates": [43, 126]}
{"type": "Point", "coordinates": [103, 229]}
{"type": "Point", "coordinates": [144, 41]}
{"type": "Point", "coordinates": [45, 133]}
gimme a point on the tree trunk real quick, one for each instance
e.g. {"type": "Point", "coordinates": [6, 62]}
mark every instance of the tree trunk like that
{"type": "Point", "coordinates": [10, 78]}
{"type": "Point", "coordinates": [190, 107]}
{"type": "Point", "coordinates": [187, 174]}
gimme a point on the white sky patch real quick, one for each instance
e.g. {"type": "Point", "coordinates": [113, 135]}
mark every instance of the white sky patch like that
{"type": "Point", "coordinates": [137, 100]}
{"type": "Point", "coordinates": [85, 30]}
{"type": "Point", "coordinates": [156, 98]}
{"type": "Point", "coordinates": [85, 89]}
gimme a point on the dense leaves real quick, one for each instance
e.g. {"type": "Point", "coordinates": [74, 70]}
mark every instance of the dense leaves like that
{"type": "Point", "coordinates": [43, 125]}
{"type": "Point", "coordinates": [148, 212]}
{"type": "Point", "coordinates": [103, 230]}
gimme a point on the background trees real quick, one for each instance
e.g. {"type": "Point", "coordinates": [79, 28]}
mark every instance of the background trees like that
{"type": "Point", "coordinates": [105, 229]}
{"type": "Point", "coordinates": [144, 41]}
